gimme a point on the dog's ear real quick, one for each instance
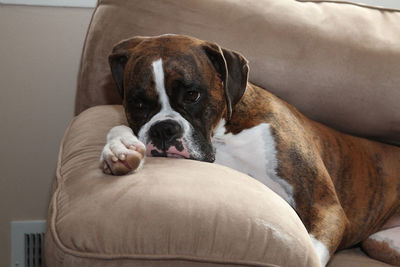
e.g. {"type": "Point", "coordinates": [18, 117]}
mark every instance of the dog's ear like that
{"type": "Point", "coordinates": [234, 71]}
{"type": "Point", "coordinates": [118, 59]}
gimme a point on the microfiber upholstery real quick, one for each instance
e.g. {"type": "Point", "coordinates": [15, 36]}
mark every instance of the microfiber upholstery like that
{"type": "Point", "coordinates": [338, 63]}
{"type": "Point", "coordinates": [173, 212]}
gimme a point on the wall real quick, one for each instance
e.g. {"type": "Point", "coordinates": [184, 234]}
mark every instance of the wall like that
{"type": "Point", "coordinates": [40, 50]}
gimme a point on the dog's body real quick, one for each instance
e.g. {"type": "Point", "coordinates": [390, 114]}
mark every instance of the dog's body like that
{"type": "Point", "coordinates": [189, 98]}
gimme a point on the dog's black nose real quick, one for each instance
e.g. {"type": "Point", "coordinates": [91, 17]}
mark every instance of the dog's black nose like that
{"type": "Point", "coordinates": [164, 133]}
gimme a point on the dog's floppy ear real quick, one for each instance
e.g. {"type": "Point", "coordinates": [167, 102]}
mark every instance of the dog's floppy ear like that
{"type": "Point", "coordinates": [234, 71]}
{"type": "Point", "coordinates": [118, 59]}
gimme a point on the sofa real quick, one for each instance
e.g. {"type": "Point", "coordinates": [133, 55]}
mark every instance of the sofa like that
{"type": "Point", "coordinates": [337, 62]}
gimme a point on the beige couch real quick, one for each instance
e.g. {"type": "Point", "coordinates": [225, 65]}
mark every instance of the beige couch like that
{"type": "Point", "coordinates": [338, 63]}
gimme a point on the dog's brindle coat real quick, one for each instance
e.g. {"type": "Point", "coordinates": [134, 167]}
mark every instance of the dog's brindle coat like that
{"type": "Point", "coordinates": [344, 188]}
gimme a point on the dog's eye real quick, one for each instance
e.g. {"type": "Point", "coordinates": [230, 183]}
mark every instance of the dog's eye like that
{"type": "Point", "coordinates": [191, 96]}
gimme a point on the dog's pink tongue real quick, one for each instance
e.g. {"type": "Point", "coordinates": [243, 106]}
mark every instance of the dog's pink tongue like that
{"type": "Point", "coordinates": [175, 153]}
{"type": "Point", "coordinates": [172, 152]}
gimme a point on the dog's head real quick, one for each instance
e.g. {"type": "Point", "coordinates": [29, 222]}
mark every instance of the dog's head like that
{"type": "Point", "coordinates": [175, 90]}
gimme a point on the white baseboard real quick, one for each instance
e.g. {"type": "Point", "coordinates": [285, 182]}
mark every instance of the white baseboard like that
{"type": "Point", "coordinates": [395, 4]}
{"type": "Point", "coordinates": [59, 3]}
{"type": "Point", "coordinates": [92, 3]}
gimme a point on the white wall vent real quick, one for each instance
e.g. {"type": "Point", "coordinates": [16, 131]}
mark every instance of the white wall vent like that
{"type": "Point", "coordinates": [27, 243]}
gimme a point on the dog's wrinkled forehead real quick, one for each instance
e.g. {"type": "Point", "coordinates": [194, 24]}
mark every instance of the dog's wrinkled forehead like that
{"type": "Point", "coordinates": [183, 61]}
{"type": "Point", "coordinates": [178, 53]}
{"type": "Point", "coordinates": [167, 45]}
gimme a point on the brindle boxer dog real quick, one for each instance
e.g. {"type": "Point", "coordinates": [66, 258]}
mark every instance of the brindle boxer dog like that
{"type": "Point", "coordinates": [189, 98]}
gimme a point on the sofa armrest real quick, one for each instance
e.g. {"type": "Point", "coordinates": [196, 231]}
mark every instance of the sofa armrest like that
{"type": "Point", "coordinates": [173, 212]}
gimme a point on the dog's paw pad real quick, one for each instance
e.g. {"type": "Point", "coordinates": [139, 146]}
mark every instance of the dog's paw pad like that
{"type": "Point", "coordinates": [133, 159]}
{"type": "Point", "coordinates": [118, 159]}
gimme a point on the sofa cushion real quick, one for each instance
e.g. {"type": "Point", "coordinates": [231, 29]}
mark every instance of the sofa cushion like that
{"type": "Point", "coordinates": [173, 212]}
{"type": "Point", "coordinates": [338, 63]}
{"type": "Point", "coordinates": [354, 258]}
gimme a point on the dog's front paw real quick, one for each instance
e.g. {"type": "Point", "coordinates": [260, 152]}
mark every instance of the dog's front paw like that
{"type": "Point", "coordinates": [122, 153]}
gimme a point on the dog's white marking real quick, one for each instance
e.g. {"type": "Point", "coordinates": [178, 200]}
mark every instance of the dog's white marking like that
{"type": "Point", "coordinates": [167, 112]}
{"type": "Point", "coordinates": [252, 151]}
{"type": "Point", "coordinates": [322, 251]}
{"type": "Point", "coordinates": [119, 132]}
{"type": "Point", "coordinates": [119, 140]}
{"type": "Point", "coordinates": [160, 87]}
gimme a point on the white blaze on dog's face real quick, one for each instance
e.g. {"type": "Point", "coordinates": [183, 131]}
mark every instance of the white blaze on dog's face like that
{"type": "Point", "coordinates": [173, 93]}
{"type": "Point", "coordinates": [167, 133]}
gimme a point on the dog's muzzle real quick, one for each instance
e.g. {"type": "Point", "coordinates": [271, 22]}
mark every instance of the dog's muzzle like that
{"type": "Point", "coordinates": [164, 133]}
{"type": "Point", "coordinates": [166, 140]}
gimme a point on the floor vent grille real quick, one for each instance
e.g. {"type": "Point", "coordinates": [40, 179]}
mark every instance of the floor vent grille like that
{"type": "Point", "coordinates": [34, 250]}
{"type": "Point", "coordinates": [27, 243]}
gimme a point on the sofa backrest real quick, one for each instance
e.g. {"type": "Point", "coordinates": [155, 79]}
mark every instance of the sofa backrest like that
{"type": "Point", "coordinates": [338, 63]}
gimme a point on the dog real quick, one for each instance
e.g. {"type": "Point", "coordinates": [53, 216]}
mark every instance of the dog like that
{"type": "Point", "coordinates": [189, 98]}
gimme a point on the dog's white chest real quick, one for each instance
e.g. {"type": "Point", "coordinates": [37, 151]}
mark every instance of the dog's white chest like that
{"type": "Point", "coordinates": [252, 151]}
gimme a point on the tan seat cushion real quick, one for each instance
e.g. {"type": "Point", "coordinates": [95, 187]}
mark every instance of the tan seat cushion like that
{"type": "Point", "coordinates": [173, 212]}
{"type": "Point", "coordinates": [354, 258]}
{"type": "Point", "coordinates": [338, 63]}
